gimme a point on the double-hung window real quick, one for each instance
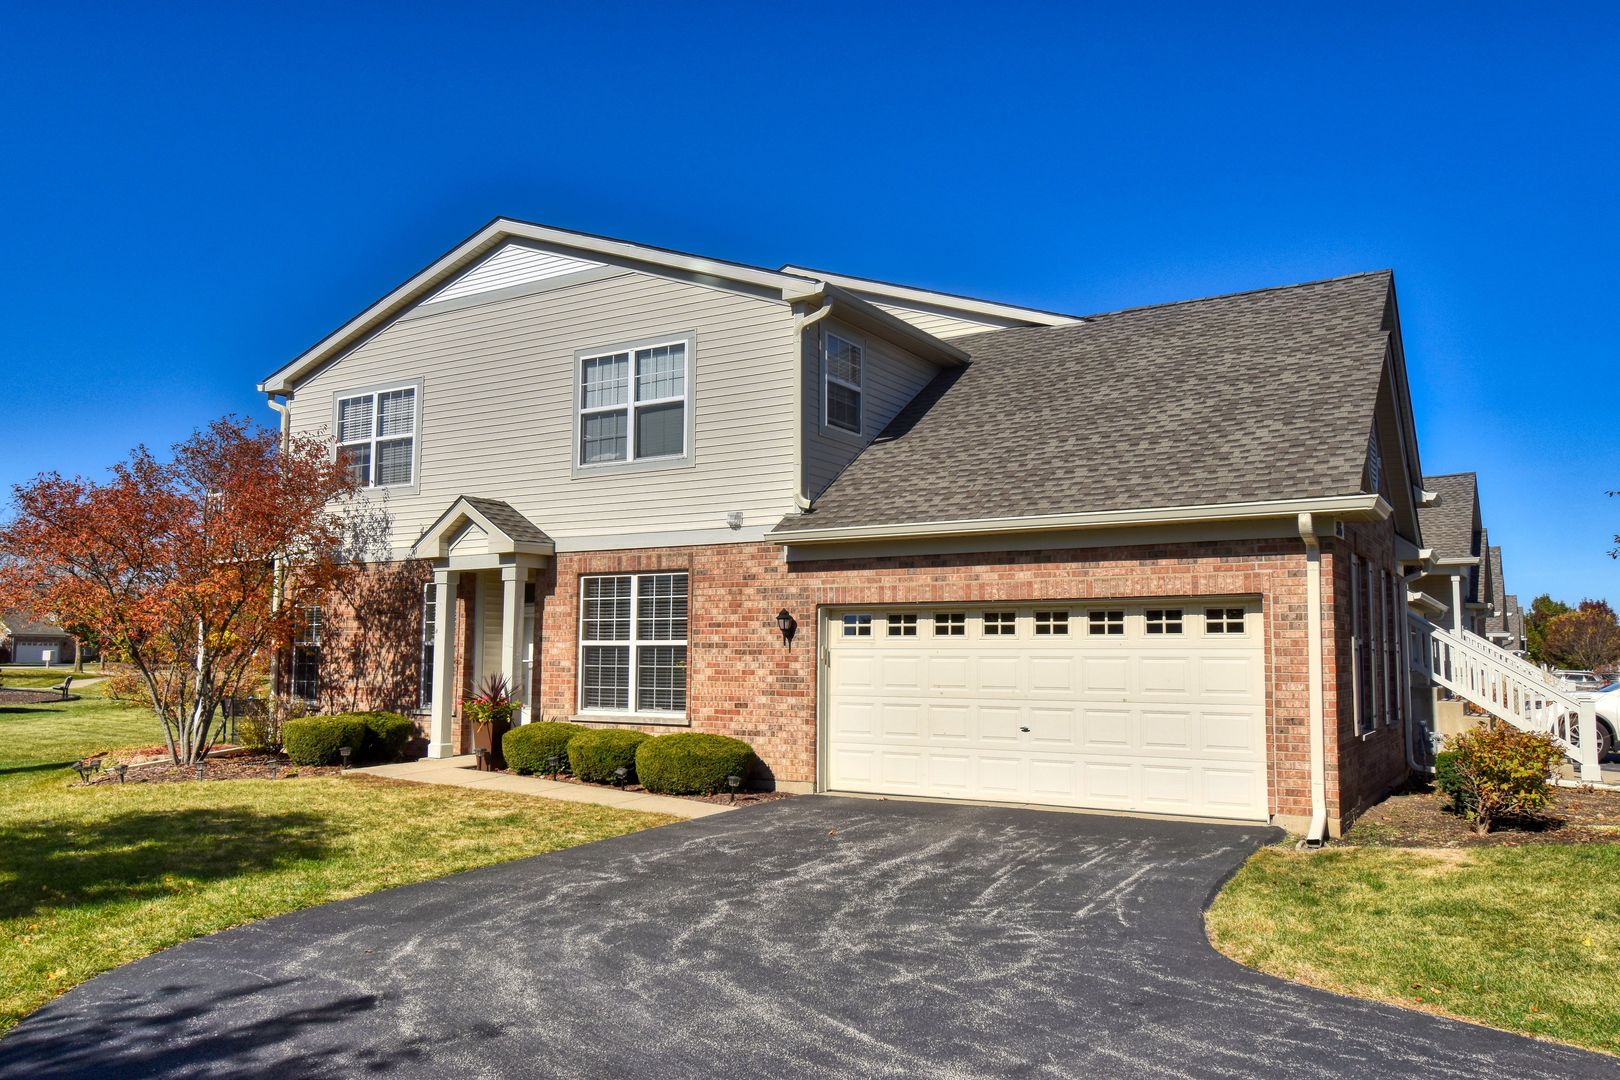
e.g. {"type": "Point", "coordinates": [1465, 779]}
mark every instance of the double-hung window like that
{"type": "Point", "coordinates": [841, 382]}
{"type": "Point", "coordinates": [632, 634]}
{"type": "Point", "coordinates": [377, 437]}
{"type": "Point", "coordinates": [424, 682]}
{"type": "Point", "coordinates": [306, 655]}
{"type": "Point", "coordinates": [633, 404]}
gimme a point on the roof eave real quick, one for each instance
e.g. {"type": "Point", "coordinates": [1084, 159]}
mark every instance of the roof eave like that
{"type": "Point", "coordinates": [1347, 507]}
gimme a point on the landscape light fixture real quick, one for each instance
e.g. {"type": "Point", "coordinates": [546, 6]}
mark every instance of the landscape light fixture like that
{"type": "Point", "coordinates": [202, 770]}
{"type": "Point", "coordinates": [620, 775]}
{"type": "Point", "coordinates": [120, 769]}
{"type": "Point", "coordinates": [786, 623]}
{"type": "Point", "coordinates": [344, 752]}
{"type": "Point", "coordinates": [553, 766]}
{"type": "Point", "coordinates": [275, 770]}
{"type": "Point", "coordinates": [86, 769]}
{"type": "Point", "coordinates": [733, 782]}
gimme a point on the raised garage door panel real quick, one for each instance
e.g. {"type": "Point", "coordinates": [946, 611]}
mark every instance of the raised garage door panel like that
{"type": "Point", "coordinates": [1132, 708]}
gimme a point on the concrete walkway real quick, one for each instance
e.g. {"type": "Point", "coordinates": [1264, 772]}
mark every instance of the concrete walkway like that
{"type": "Point", "coordinates": [463, 772]}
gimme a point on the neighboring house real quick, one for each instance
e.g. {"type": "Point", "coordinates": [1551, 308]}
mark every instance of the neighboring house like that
{"type": "Point", "coordinates": [1141, 561]}
{"type": "Point", "coordinates": [28, 640]}
{"type": "Point", "coordinates": [1453, 576]}
{"type": "Point", "coordinates": [1496, 622]}
{"type": "Point", "coordinates": [1515, 626]}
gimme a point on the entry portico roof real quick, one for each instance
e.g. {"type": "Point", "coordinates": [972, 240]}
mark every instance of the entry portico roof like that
{"type": "Point", "coordinates": [504, 530]}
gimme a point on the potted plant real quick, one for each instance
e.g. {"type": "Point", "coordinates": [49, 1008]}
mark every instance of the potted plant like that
{"type": "Point", "coordinates": [489, 711]}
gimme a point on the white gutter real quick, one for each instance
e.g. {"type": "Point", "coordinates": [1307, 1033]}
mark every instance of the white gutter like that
{"type": "Point", "coordinates": [1318, 703]}
{"type": "Point", "coordinates": [1351, 507]}
{"type": "Point", "coordinates": [800, 321]}
{"type": "Point", "coordinates": [278, 573]}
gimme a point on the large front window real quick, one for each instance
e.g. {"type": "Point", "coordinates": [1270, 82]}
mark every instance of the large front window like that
{"type": "Point", "coordinates": [632, 404]}
{"type": "Point", "coordinates": [377, 437]}
{"type": "Point", "coordinates": [632, 636]}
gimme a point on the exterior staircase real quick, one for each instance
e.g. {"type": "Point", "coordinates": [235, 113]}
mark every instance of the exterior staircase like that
{"type": "Point", "coordinates": [1508, 687]}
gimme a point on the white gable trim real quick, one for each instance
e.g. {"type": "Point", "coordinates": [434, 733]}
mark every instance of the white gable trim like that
{"type": "Point", "coordinates": [561, 242]}
{"type": "Point", "coordinates": [513, 264]}
{"type": "Point", "coordinates": [460, 526]}
{"type": "Point", "coordinates": [948, 302]}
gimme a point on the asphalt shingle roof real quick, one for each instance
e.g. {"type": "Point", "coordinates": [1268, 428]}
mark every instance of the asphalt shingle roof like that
{"type": "Point", "coordinates": [1248, 397]}
{"type": "Point", "coordinates": [504, 517]}
{"type": "Point", "coordinates": [1448, 527]}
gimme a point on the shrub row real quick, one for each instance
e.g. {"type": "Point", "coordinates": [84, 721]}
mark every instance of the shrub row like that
{"type": "Point", "coordinates": [373, 736]}
{"type": "Point", "coordinates": [687, 763]}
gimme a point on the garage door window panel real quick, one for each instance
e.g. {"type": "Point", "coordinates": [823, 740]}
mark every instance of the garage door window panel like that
{"type": "Point", "coordinates": [950, 624]}
{"type": "Point", "coordinates": [1105, 623]}
{"type": "Point", "coordinates": [1223, 620]}
{"type": "Point", "coordinates": [1000, 623]}
{"type": "Point", "coordinates": [1164, 620]}
{"type": "Point", "coordinates": [901, 625]}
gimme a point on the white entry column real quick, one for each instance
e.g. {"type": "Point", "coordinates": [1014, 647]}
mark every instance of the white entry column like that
{"type": "Point", "coordinates": [445, 582]}
{"type": "Point", "coordinates": [513, 580]}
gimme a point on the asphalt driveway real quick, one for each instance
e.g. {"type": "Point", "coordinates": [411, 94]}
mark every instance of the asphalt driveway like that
{"type": "Point", "coordinates": [808, 937]}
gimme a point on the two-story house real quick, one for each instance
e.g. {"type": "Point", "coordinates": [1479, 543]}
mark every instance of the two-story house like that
{"type": "Point", "coordinates": [903, 542]}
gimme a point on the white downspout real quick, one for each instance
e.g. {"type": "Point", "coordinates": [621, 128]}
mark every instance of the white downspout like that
{"type": "Point", "coordinates": [1318, 701]}
{"type": "Point", "coordinates": [800, 321]}
{"type": "Point", "coordinates": [278, 574]}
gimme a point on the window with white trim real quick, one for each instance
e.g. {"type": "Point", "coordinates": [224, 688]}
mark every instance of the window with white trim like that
{"type": "Point", "coordinates": [424, 682]}
{"type": "Point", "coordinates": [632, 636]}
{"type": "Point", "coordinates": [306, 655]}
{"type": "Point", "coordinates": [841, 381]}
{"type": "Point", "coordinates": [950, 624]}
{"type": "Point", "coordinates": [376, 437]}
{"type": "Point", "coordinates": [902, 625]}
{"type": "Point", "coordinates": [1223, 620]}
{"type": "Point", "coordinates": [1164, 620]}
{"type": "Point", "coordinates": [1105, 623]}
{"type": "Point", "coordinates": [857, 625]}
{"type": "Point", "coordinates": [632, 404]}
{"type": "Point", "coordinates": [1000, 623]}
{"type": "Point", "coordinates": [1051, 623]}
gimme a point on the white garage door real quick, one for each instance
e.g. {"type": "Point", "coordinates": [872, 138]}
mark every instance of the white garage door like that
{"type": "Point", "coordinates": [1130, 707]}
{"type": "Point", "coordinates": [33, 652]}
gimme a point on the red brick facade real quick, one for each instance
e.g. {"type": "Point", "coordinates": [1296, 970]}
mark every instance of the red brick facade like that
{"type": "Point", "coordinates": [742, 681]}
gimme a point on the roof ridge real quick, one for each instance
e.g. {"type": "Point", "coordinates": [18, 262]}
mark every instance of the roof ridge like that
{"type": "Point", "coordinates": [1243, 292]}
{"type": "Point", "coordinates": [1448, 475]}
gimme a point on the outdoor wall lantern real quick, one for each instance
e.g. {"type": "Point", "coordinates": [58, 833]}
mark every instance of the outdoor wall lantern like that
{"type": "Point", "coordinates": [786, 623]}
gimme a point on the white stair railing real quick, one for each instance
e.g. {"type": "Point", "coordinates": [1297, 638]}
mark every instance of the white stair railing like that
{"type": "Point", "coordinates": [1508, 688]}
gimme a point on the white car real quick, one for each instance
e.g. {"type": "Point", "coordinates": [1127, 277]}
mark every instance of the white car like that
{"type": "Point", "coordinates": [1585, 681]}
{"type": "Point", "coordinates": [1607, 701]}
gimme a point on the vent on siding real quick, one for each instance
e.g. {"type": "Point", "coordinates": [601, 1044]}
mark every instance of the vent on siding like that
{"type": "Point", "coordinates": [514, 264]}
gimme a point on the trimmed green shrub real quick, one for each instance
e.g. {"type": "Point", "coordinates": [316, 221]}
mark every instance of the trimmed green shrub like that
{"type": "Point", "coordinates": [692, 763]}
{"type": "Point", "coordinates": [594, 755]}
{"type": "Point", "coordinates": [528, 747]}
{"type": "Point", "coordinates": [1497, 772]}
{"type": "Point", "coordinates": [387, 734]}
{"type": "Point", "coordinates": [314, 740]}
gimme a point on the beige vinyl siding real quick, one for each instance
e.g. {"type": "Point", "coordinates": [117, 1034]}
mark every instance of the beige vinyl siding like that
{"type": "Point", "coordinates": [891, 377]}
{"type": "Point", "coordinates": [945, 324]}
{"type": "Point", "coordinates": [497, 408]}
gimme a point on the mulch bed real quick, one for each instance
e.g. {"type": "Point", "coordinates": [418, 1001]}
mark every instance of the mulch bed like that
{"type": "Point", "coordinates": [18, 695]}
{"type": "Point", "coordinates": [239, 766]}
{"type": "Point", "coordinates": [744, 798]}
{"type": "Point", "coordinates": [1419, 818]}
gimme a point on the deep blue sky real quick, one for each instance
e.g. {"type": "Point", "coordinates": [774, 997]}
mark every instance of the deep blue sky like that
{"type": "Point", "coordinates": [188, 200]}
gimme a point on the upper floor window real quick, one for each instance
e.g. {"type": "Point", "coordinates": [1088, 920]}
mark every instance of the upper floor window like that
{"type": "Point", "coordinates": [377, 437]}
{"type": "Point", "coordinates": [842, 382]}
{"type": "Point", "coordinates": [632, 404]}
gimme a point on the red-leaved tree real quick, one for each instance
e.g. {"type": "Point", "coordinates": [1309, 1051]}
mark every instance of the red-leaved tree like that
{"type": "Point", "coordinates": [176, 564]}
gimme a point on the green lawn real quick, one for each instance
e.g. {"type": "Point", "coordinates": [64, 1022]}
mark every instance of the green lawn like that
{"type": "Point", "coordinates": [91, 878]}
{"type": "Point", "coordinates": [33, 678]}
{"type": "Point", "coordinates": [1523, 938]}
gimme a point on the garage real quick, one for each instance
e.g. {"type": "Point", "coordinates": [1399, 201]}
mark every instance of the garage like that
{"type": "Point", "coordinates": [1153, 707]}
{"type": "Point", "coordinates": [39, 651]}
